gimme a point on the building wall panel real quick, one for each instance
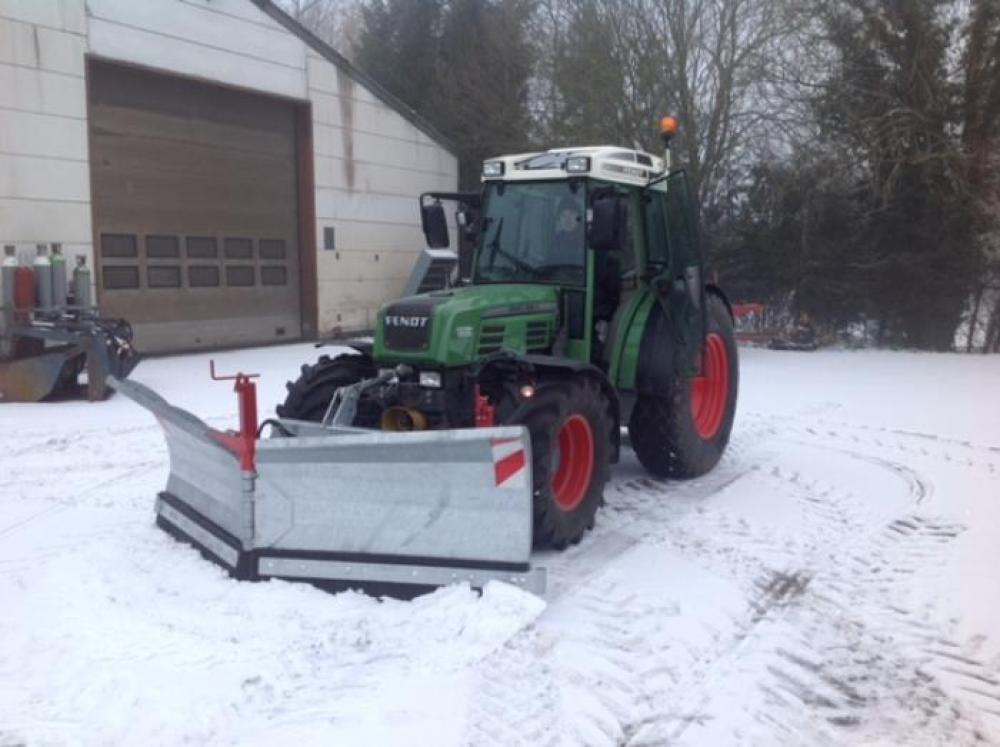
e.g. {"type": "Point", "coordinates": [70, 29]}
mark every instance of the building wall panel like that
{"type": "Point", "coordinates": [239, 9]}
{"type": "Point", "coordinates": [29, 178]}
{"type": "Point", "coordinates": [33, 134]}
{"type": "Point", "coordinates": [34, 90]}
{"type": "Point", "coordinates": [41, 48]}
{"type": "Point", "coordinates": [114, 41]}
{"type": "Point", "coordinates": [29, 221]}
{"type": "Point", "coordinates": [64, 15]}
{"type": "Point", "coordinates": [200, 24]}
{"type": "Point", "coordinates": [377, 178]}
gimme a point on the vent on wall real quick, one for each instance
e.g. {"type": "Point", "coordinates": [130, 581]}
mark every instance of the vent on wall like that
{"type": "Point", "coordinates": [433, 271]}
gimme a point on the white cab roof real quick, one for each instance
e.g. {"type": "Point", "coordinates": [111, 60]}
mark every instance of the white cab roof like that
{"type": "Point", "coordinates": [609, 162]}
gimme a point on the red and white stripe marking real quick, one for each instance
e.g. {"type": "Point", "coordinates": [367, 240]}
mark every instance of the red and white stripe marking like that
{"type": "Point", "coordinates": [509, 463]}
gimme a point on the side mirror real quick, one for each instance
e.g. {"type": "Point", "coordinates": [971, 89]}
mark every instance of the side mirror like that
{"type": "Point", "coordinates": [435, 225]}
{"type": "Point", "coordinates": [607, 223]}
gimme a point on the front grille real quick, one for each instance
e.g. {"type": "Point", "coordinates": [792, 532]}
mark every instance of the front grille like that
{"type": "Point", "coordinates": [407, 325]}
{"type": "Point", "coordinates": [536, 335]}
{"type": "Point", "coordinates": [491, 338]}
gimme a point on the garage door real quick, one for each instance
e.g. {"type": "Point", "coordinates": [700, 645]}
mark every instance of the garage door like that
{"type": "Point", "coordinates": [195, 210]}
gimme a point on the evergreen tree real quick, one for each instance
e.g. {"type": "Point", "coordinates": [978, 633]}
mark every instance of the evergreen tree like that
{"type": "Point", "coordinates": [889, 100]}
{"type": "Point", "coordinates": [398, 47]}
{"type": "Point", "coordinates": [464, 65]}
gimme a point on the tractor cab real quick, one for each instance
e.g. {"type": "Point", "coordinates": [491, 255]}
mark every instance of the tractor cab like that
{"type": "Point", "coordinates": [598, 224]}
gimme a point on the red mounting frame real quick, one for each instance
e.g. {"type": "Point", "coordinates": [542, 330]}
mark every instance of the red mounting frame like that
{"type": "Point", "coordinates": [243, 443]}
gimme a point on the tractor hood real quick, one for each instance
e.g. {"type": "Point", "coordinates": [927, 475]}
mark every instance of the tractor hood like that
{"type": "Point", "coordinates": [457, 326]}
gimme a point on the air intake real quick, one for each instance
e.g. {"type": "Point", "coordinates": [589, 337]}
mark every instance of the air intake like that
{"type": "Point", "coordinates": [536, 335]}
{"type": "Point", "coordinates": [433, 271]}
{"type": "Point", "coordinates": [491, 338]}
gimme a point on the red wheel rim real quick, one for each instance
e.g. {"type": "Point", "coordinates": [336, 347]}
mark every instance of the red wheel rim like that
{"type": "Point", "coordinates": [710, 390]}
{"type": "Point", "coordinates": [575, 452]}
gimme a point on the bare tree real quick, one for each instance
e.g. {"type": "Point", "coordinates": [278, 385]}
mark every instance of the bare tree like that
{"type": "Point", "coordinates": [621, 64]}
{"type": "Point", "coordinates": [722, 58]}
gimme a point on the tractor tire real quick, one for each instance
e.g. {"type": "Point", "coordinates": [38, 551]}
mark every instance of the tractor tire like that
{"type": "Point", "coordinates": [309, 396]}
{"type": "Point", "coordinates": [683, 433]}
{"type": "Point", "coordinates": [571, 435]}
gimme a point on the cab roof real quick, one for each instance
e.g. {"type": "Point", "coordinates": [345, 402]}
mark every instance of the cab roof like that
{"type": "Point", "coordinates": [609, 162]}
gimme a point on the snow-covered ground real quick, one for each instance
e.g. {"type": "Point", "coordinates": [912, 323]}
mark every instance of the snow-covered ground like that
{"type": "Point", "coordinates": [834, 580]}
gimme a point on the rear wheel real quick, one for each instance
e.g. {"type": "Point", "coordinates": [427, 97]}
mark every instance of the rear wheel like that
{"type": "Point", "coordinates": [683, 432]}
{"type": "Point", "coordinates": [309, 396]}
{"type": "Point", "coordinates": [571, 429]}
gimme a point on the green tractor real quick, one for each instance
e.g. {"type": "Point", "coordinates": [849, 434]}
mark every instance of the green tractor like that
{"type": "Point", "coordinates": [585, 308]}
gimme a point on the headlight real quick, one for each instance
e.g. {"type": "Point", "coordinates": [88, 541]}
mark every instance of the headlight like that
{"type": "Point", "coordinates": [577, 165]}
{"type": "Point", "coordinates": [430, 379]}
{"type": "Point", "coordinates": [492, 168]}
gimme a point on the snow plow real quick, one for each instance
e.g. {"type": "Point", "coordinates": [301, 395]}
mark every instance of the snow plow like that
{"type": "Point", "coordinates": [482, 419]}
{"type": "Point", "coordinates": [326, 503]}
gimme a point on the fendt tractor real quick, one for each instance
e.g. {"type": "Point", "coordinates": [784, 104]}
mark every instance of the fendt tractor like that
{"type": "Point", "coordinates": [482, 419]}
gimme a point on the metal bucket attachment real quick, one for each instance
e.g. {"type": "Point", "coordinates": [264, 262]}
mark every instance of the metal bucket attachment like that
{"type": "Point", "coordinates": [35, 377]}
{"type": "Point", "coordinates": [364, 509]}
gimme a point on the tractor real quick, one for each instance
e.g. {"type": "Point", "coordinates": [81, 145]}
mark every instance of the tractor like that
{"type": "Point", "coordinates": [586, 308]}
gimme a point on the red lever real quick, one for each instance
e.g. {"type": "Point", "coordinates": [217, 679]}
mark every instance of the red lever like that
{"type": "Point", "coordinates": [245, 442]}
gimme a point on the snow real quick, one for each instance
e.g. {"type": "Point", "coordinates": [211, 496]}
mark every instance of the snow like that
{"type": "Point", "coordinates": [832, 581]}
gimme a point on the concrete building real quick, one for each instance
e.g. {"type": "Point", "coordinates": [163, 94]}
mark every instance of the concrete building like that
{"type": "Point", "coordinates": [230, 178]}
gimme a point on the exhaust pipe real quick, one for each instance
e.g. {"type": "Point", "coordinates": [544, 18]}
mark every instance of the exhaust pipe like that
{"type": "Point", "coordinates": [400, 419]}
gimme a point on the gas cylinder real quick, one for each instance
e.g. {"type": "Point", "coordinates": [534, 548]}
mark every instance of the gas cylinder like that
{"type": "Point", "coordinates": [24, 291]}
{"type": "Point", "coordinates": [81, 282]}
{"type": "Point", "coordinates": [8, 272]}
{"type": "Point", "coordinates": [58, 276]}
{"type": "Point", "coordinates": [43, 277]}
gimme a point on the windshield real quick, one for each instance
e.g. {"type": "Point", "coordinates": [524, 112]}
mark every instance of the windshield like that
{"type": "Point", "coordinates": [533, 232]}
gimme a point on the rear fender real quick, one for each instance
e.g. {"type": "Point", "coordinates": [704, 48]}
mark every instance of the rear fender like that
{"type": "Point", "coordinates": [657, 359]}
{"type": "Point", "coordinates": [714, 290]}
{"type": "Point", "coordinates": [656, 369]}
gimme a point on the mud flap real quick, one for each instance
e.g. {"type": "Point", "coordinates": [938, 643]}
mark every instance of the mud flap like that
{"type": "Point", "coordinates": [357, 508]}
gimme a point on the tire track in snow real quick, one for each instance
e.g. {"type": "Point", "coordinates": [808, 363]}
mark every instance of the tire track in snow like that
{"type": "Point", "coordinates": [841, 650]}
{"type": "Point", "coordinates": [985, 457]}
{"type": "Point", "coordinates": [816, 627]}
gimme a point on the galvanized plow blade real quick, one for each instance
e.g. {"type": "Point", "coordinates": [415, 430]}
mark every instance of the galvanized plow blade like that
{"type": "Point", "coordinates": [354, 507]}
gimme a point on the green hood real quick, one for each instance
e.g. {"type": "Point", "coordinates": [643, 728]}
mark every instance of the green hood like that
{"type": "Point", "coordinates": [458, 326]}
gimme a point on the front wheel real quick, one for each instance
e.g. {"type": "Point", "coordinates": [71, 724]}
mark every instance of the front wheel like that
{"type": "Point", "coordinates": [571, 429]}
{"type": "Point", "coordinates": [682, 433]}
{"type": "Point", "coordinates": [309, 396]}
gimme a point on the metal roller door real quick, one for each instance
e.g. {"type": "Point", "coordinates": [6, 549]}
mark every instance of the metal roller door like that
{"type": "Point", "coordinates": [194, 192]}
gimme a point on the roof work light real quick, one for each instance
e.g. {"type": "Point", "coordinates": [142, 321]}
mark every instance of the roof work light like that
{"type": "Point", "coordinates": [492, 168]}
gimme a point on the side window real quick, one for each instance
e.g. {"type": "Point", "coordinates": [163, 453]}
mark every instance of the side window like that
{"type": "Point", "coordinates": [655, 224]}
{"type": "Point", "coordinates": [683, 239]}
{"type": "Point", "coordinates": [631, 236]}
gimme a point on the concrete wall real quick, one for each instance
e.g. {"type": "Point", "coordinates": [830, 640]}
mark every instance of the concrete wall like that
{"type": "Point", "coordinates": [370, 162]}
{"type": "Point", "coordinates": [370, 166]}
{"type": "Point", "coordinates": [44, 171]}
